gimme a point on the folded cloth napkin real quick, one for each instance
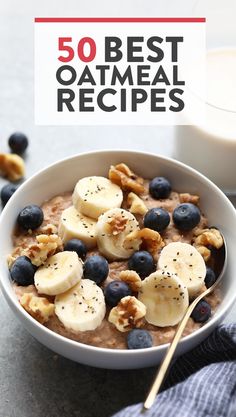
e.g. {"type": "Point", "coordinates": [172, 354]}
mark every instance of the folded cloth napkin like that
{"type": "Point", "coordinates": [201, 383]}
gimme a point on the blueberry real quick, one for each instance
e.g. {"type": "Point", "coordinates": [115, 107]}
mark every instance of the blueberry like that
{"type": "Point", "coordinates": [96, 268]}
{"type": "Point", "coordinates": [76, 245]}
{"type": "Point", "coordinates": [139, 339]}
{"type": "Point", "coordinates": [210, 277]}
{"type": "Point", "coordinates": [22, 271]}
{"type": "Point", "coordinates": [142, 262]}
{"type": "Point", "coordinates": [186, 216]}
{"type": "Point", "coordinates": [18, 142]}
{"type": "Point", "coordinates": [202, 312]}
{"type": "Point", "coordinates": [30, 217]}
{"type": "Point", "coordinates": [157, 219]}
{"type": "Point", "coordinates": [6, 192]}
{"type": "Point", "coordinates": [159, 187]}
{"type": "Point", "coordinates": [116, 290]}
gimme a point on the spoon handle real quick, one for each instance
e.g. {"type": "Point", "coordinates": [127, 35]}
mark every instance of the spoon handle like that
{"type": "Point", "coordinates": [170, 352]}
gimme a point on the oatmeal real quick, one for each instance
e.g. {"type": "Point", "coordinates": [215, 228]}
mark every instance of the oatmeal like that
{"type": "Point", "coordinates": [99, 266]}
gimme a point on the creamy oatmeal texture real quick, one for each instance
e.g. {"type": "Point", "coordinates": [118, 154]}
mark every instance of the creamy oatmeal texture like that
{"type": "Point", "coordinates": [106, 334]}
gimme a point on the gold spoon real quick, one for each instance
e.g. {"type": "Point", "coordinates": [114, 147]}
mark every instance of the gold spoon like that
{"type": "Point", "coordinates": [222, 262]}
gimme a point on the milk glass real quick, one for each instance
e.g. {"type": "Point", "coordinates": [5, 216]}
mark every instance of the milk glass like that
{"type": "Point", "coordinates": [211, 147]}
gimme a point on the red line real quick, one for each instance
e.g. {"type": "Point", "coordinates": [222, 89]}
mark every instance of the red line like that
{"type": "Point", "coordinates": [119, 19]}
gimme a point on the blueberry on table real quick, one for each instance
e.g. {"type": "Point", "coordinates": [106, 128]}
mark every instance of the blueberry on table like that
{"type": "Point", "coordinates": [96, 268]}
{"type": "Point", "coordinates": [139, 339]}
{"type": "Point", "coordinates": [210, 277]}
{"type": "Point", "coordinates": [6, 192]}
{"type": "Point", "coordinates": [30, 217]}
{"type": "Point", "coordinates": [157, 219]}
{"type": "Point", "coordinates": [142, 262]}
{"type": "Point", "coordinates": [76, 245]}
{"type": "Point", "coordinates": [159, 187]}
{"type": "Point", "coordinates": [116, 290]}
{"type": "Point", "coordinates": [202, 312]}
{"type": "Point", "coordinates": [22, 271]}
{"type": "Point", "coordinates": [186, 216]}
{"type": "Point", "coordinates": [18, 142]}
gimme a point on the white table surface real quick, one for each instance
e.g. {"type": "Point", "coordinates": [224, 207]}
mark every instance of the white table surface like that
{"type": "Point", "coordinates": [35, 382]}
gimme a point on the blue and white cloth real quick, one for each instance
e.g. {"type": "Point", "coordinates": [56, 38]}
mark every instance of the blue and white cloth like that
{"type": "Point", "coordinates": [201, 383]}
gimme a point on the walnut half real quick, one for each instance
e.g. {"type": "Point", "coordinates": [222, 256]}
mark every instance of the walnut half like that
{"type": "Point", "coordinates": [12, 166]}
{"type": "Point", "coordinates": [46, 246]}
{"type": "Point", "coordinates": [150, 239]}
{"type": "Point", "coordinates": [189, 198]}
{"type": "Point", "coordinates": [132, 279]}
{"type": "Point", "coordinates": [204, 251]}
{"type": "Point", "coordinates": [136, 204]}
{"type": "Point", "coordinates": [128, 313]}
{"type": "Point", "coordinates": [207, 237]}
{"type": "Point", "coordinates": [126, 179]}
{"type": "Point", "coordinates": [117, 224]}
{"type": "Point", "coordinates": [38, 307]}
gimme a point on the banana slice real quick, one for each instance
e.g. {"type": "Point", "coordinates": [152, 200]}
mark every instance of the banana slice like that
{"type": "Point", "coordinates": [184, 260]}
{"type": "Point", "coordinates": [94, 195]}
{"type": "Point", "coordinates": [75, 225]}
{"type": "Point", "coordinates": [112, 229]}
{"type": "Point", "coordinates": [165, 297]}
{"type": "Point", "coordinates": [82, 307]}
{"type": "Point", "coordinates": [61, 272]}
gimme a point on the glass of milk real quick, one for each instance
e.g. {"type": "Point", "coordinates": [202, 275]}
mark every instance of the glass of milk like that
{"type": "Point", "coordinates": [211, 147]}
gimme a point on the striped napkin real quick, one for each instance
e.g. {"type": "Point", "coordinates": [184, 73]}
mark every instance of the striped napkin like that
{"type": "Point", "coordinates": [201, 383]}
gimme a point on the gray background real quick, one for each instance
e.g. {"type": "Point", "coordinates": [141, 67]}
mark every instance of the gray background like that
{"type": "Point", "coordinates": [35, 382]}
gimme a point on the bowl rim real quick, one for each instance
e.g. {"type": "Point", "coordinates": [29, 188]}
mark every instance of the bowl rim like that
{"type": "Point", "coordinates": [96, 349]}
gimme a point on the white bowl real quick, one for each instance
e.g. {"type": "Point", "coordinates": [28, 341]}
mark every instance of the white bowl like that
{"type": "Point", "coordinates": [61, 177]}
